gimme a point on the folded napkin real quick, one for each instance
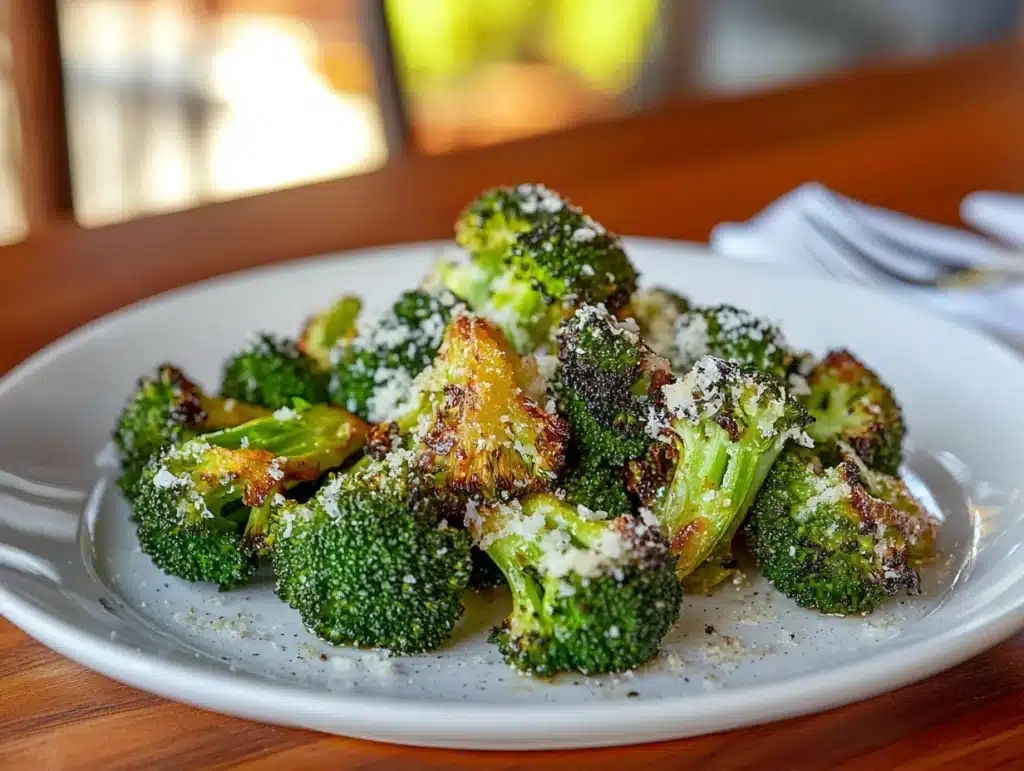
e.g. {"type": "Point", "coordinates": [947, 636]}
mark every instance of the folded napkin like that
{"type": "Point", "coordinates": [783, 233]}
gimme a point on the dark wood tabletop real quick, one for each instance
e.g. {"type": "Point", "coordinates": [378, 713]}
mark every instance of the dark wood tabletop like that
{"type": "Point", "coordinates": [909, 135]}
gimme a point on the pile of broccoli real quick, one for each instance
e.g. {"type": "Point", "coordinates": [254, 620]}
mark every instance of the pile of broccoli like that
{"type": "Point", "coordinates": [526, 418]}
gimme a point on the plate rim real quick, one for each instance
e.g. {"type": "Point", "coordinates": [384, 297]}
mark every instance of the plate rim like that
{"type": "Point", "coordinates": [426, 722]}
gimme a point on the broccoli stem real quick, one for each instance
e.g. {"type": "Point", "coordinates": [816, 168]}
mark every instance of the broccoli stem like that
{"type": "Point", "coordinates": [714, 486]}
{"type": "Point", "coordinates": [587, 532]}
{"type": "Point", "coordinates": [339, 320]}
{"type": "Point", "coordinates": [325, 329]}
{"type": "Point", "coordinates": [220, 413]}
{"type": "Point", "coordinates": [254, 537]}
{"type": "Point", "coordinates": [323, 435]}
{"type": "Point", "coordinates": [508, 554]}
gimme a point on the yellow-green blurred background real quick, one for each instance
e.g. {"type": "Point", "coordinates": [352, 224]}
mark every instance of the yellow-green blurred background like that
{"type": "Point", "coordinates": [173, 103]}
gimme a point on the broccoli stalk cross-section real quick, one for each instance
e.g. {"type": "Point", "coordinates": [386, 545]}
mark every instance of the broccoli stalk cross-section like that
{"type": "Point", "coordinates": [851, 405]}
{"type": "Point", "coordinates": [329, 328]}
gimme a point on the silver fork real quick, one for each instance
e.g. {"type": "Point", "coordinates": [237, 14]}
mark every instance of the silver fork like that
{"type": "Point", "coordinates": [871, 258]}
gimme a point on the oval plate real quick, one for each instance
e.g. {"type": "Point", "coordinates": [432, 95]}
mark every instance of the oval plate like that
{"type": "Point", "coordinates": [72, 576]}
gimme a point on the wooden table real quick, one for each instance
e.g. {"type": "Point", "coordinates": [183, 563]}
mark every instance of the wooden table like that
{"type": "Point", "coordinates": [915, 138]}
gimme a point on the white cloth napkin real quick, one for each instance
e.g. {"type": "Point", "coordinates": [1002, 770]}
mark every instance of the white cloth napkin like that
{"type": "Point", "coordinates": [782, 234]}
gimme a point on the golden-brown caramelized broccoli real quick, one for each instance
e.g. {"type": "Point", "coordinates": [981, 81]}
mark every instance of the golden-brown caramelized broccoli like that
{"type": "Point", "coordinates": [474, 431]}
{"type": "Point", "coordinates": [168, 408]}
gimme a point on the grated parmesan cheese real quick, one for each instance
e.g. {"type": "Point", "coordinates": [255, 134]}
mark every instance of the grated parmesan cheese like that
{"type": "Point", "coordinates": [691, 341]}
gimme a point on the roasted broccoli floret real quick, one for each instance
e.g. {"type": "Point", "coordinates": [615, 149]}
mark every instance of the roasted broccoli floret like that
{"type": "Point", "coordinates": [588, 595]}
{"type": "Point", "coordinates": [656, 312]}
{"type": "Point", "coordinates": [272, 372]}
{"type": "Point", "coordinates": [920, 527]}
{"type": "Point", "coordinates": [371, 566]}
{"type": "Point", "coordinates": [733, 334]}
{"type": "Point", "coordinates": [608, 381]}
{"type": "Point", "coordinates": [329, 328]}
{"type": "Point", "coordinates": [473, 431]}
{"type": "Point", "coordinates": [597, 486]}
{"type": "Point", "coordinates": [562, 259]}
{"type": "Point", "coordinates": [826, 540]}
{"type": "Point", "coordinates": [553, 268]}
{"type": "Point", "coordinates": [169, 408]}
{"type": "Point", "coordinates": [373, 373]}
{"type": "Point", "coordinates": [851, 404]}
{"type": "Point", "coordinates": [488, 227]}
{"type": "Point", "coordinates": [202, 507]}
{"type": "Point", "coordinates": [496, 217]}
{"type": "Point", "coordinates": [725, 427]}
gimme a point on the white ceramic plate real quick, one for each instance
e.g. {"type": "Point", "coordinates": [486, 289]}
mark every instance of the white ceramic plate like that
{"type": "Point", "coordinates": [73, 578]}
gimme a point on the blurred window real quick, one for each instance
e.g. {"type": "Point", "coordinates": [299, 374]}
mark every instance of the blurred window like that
{"type": "Point", "coordinates": [12, 215]}
{"type": "Point", "coordinates": [174, 103]}
{"type": "Point", "coordinates": [483, 71]}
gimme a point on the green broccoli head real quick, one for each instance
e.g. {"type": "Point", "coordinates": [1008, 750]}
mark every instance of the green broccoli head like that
{"type": "Point", "coordinates": [488, 227]}
{"type": "Point", "coordinates": [572, 259]}
{"type": "Point", "coordinates": [599, 487]}
{"type": "Point", "coordinates": [656, 312]}
{"type": "Point", "coordinates": [533, 258]}
{"type": "Point", "coordinates": [272, 372]}
{"type": "Point", "coordinates": [497, 217]}
{"type": "Point", "coordinates": [606, 441]}
{"type": "Point", "coordinates": [168, 408]}
{"type": "Point", "coordinates": [588, 595]}
{"type": "Point", "coordinates": [726, 426]}
{"type": "Point", "coordinates": [374, 372]}
{"type": "Point", "coordinates": [851, 404]}
{"type": "Point", "coordinates": [730, 333]}
{"type": "Point", "coordinates": [326, 330]}
{"type": "Point", "coordinates": [828, 543]}
{"type": "Point", "coordinates": [189, 523]}
{"type": "Point", "coordinates": [473, 430]}
{"type": "Point", "coordinates": [553, 268]}
{"type": "Point", "coordinates": [371, 567]}
{"type": "Point", "coordinates": [608, 382]}
{"type": "Point", "coordinates": [202, 506]}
